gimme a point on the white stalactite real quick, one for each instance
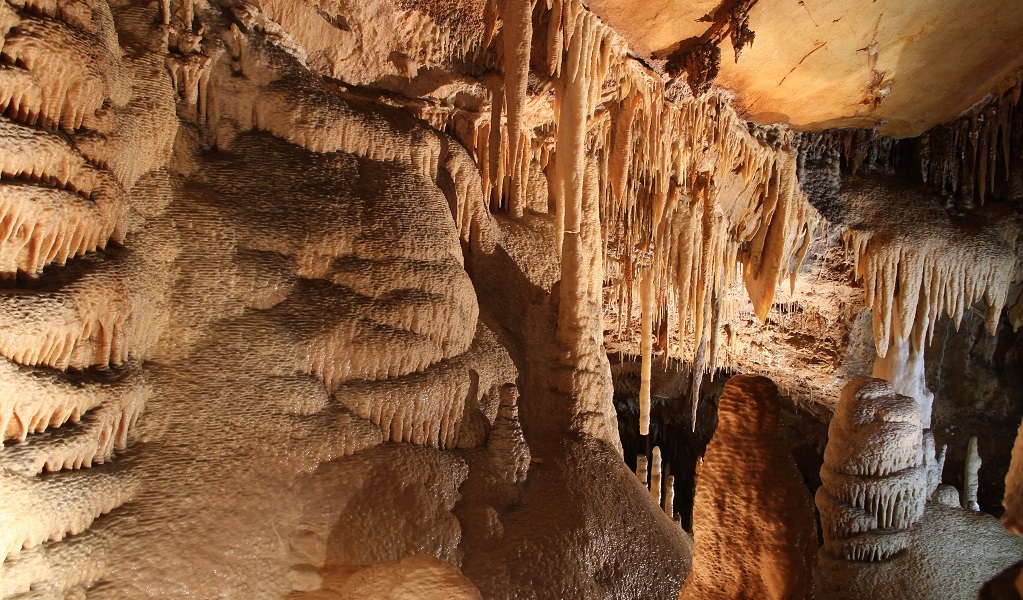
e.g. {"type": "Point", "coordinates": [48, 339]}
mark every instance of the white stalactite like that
{"type": "Point", "coordinates": [647, 340]}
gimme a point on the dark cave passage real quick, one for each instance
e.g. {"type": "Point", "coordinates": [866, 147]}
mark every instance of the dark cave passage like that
{"type": "Point", "coordinates": [670, 417]}
{"type": "Point", "coordinates": [681, 448]}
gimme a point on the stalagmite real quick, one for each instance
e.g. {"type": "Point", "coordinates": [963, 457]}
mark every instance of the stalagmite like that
{"type": "Point", "coordinates": [669, 496]}
{"type": "Point", "coordinates": [970, 476]}
{"type": "Point", "coordinates": [655, 475]}
{"type": "Point", "coordinates": [1009, 583]}
{"type": "Point", "coordinates": [874, 477]}
{"type": "Point", "coordinates": [642, 469]}
{"type": "Point", "coordinates": [934, 462]}
{"type": "Point", "coordinates": [1012, 519]}
{"type": "Point", "coordinates": [770, 510]}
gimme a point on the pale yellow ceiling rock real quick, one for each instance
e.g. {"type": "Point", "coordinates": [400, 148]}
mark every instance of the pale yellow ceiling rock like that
{"type": "Point", "coordinates": [655, 26]}
{"type": "Point", "coordinates": [905, 65]}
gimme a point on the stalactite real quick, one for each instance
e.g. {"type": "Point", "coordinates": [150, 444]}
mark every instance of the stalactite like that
{"type": "Point", "coordinates": [74, 501]}
{"type": "Point", "coordinates": [518, 34]}
{"type": "Point", "coordinates": [681, 161]}
{"type": "Point", "coordinates": [974, 158]}
{"type": "Point", "coordinates": [494, 188]}
{"type": "Point", "coordinates": [647, 341]}
{"type": "Point", "coordinates": [427, 408]}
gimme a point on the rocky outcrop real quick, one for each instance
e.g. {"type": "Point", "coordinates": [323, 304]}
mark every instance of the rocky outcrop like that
{"type": "Point", "coordinates": [883, 539]}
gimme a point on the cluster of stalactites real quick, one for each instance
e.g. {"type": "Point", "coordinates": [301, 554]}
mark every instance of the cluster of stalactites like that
{"type": "Point", "coordinates": [918, 263]}
{"type": "Point", "coordinates": [579, 51]}
{"type": "Point", "coordinates": [690, 198]}
{"type": "Point", "coordinates": [923, 286]}
{"type": "Point", "coordinates": [973, 158]}
{"type": "Point", "coordinates": [693, 202]}
{"type": "Point", "coordinates": [919, 260]}
{"type": "Point", "coordinates": [977, 154]}
{"type": "Point", "coordinates": [875, 480]}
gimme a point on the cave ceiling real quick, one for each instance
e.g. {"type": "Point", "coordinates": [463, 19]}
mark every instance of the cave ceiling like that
{"type": "Point", "coordinates": [902, 66]}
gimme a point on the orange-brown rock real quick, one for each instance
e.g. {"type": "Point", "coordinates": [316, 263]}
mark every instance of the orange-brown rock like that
{"type": "Point", "coordinates": [753, 523]}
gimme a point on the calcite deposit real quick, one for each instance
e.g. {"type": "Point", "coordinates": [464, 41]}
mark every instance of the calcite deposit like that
{"type": "Point", "coordinates": [874, 478]}
{"type": "Point", "coordinates": [319, 299]}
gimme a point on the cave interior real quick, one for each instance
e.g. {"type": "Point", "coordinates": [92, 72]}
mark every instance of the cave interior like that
{"type": "Point", "coordinates": [697, 299]}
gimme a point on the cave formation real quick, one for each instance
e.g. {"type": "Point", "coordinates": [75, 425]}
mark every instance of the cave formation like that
{"type": "Point", "coordinates": [368, 299]}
